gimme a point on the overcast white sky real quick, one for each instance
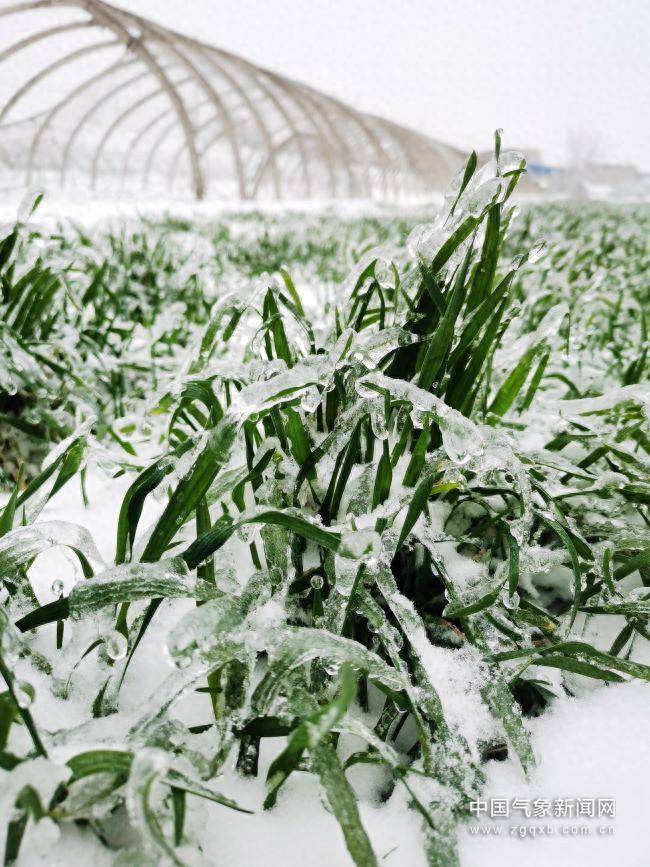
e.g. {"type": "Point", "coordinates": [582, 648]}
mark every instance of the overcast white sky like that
{"type": "Point", "coordinates": [455, 69]}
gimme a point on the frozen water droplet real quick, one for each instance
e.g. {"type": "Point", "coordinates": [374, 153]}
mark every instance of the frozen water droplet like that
{"type": "Point", "coordinates": [384, 273]}
{"type": "Point", "coordinates": [116, 645]}
{"type": "Point", "coordinates": [317, 582]}
{"type": "Point", "coordinates": [510, 602]}
{"type": "Point", "coordinates": [10, 648]}
{"type": "Point", "coordinates": [418, 418]}
{"type": "Point", "coordinates": [57, 586]}
{"type": "Point", "coordinates": [24, 692]}
{"type": "Point", "coordinates": [378, 423]}
{"type": "Point", "coordinates": [346, 573]}
{"type": "Point", "coordinates": [364, 390]}
{"type": "Point", "coordinates": [310, 399]}
{"type": "Point", "coordinates": [460, 437]}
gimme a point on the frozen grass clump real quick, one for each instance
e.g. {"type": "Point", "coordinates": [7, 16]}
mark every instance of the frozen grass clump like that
{"type": "Point", "coordinates": [384, 527]}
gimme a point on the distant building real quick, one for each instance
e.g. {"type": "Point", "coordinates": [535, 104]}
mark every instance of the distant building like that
{"type": "Point", "coordinates": [597, 181]}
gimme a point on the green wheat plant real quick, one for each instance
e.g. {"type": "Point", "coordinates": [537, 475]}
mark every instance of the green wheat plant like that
{"type": "Point", "coordinates": [389, 514]}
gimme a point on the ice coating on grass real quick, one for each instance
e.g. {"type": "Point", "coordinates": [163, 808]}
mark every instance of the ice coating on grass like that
{"type": "Point", "coordinates": [638, 393]}
{"type": "Point", "coordinates": [537, 251]}
{"type": "Point", "coordinates": [201, 629]}
{"type": "Point", "coordinates": [23, 544]}
{"type": "Point", "coordinates": [477, 197]}
{"type": "Point", "coordinates": [148, 765]}
{"type": "Point", "coordinates": [425, 240]}
{"type": "Point", "coordinates": [116, 645]}
{"type": "Point", "coordinates": [370, 347]}
{"type": "Point", "coordinates": [485, 187]}
{"type": "Point", "coordinates": [265, 394]}
{"type": "Point", "coordinates": [166, 578]}
{"type": "Point", "coordinates": [478, 448]}
{"type": "Point", "coordinates": [378, 421]}
{"type": "Point", "coordinates": [10, 640]}
{"type": "Point", "coordinates": [499, 456]}
{"type": "Point", "coordinates": [93, 797]}
{"type": "Point", "coordinates": [24, 693]}
{"type": "Point", "coordinates": [79, 637]}
{"type": "Point", "coordinates": [510, 160]}
{"type": "Point", "coordinates": [310, 399]}
{"type": "Point", "coordinates": [20, 361]}
{"type": "Point", "coordinates": [40, 775]}
{"type": "Point", "coordinates": [462, 439]}
{"type": "Point", "coordinates": [346, 571]}
{"type": "Point", "coordinates": [548, 332]}
{"type": "Point", "coordinates": [346, 423]}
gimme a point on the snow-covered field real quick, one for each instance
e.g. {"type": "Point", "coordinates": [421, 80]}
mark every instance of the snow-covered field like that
{"type": "Point", "coordinates": [589, 746]}
{"type": "Point", "coordinates": [345, 525]}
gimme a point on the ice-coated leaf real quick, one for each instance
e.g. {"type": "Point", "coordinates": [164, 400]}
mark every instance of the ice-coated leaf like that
{"type": "Point", "coordinates": [342, 801]}
{"type": "Point", "coordinates": [165, 579]}
{"type": "Point", "coordinates": [148, 767]}
{"type": "Point", "coordinates": [290, 648]}
{"type": "Point", "coordinates": [41, 776]}
{"type": "Point", "coordinates": [23, 544]}
{"type": "Point", "coordinates": [191, 489]}
{"type": "Point", "coordinates": [309, 735]}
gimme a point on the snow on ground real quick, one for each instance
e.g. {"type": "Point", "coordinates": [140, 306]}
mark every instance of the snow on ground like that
{"type": "Point", "coordinates": [595, 746]}
{"type": "Point", "coordinates": [88, 213]}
